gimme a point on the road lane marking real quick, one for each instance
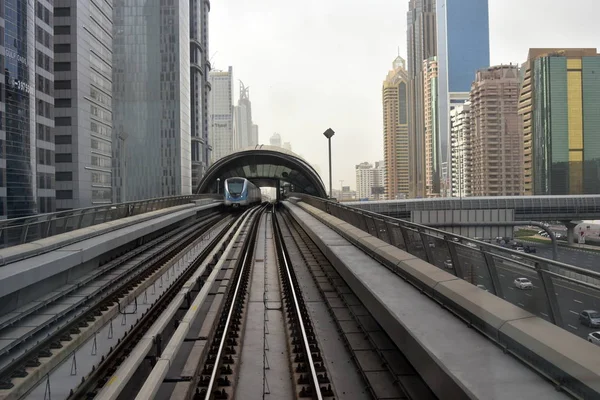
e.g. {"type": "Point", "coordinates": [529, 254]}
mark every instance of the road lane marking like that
{"type": "Point", "coordinates": [481, 276]}
{"type": "Point", "coordinates": [520, 304]}
{"type": "Point", "coordinates": [574, 327]}
{"type": "Point", "coordinates": [502, 275]}
{"type": "Point", "coordinates": [527, 294]}
{"type": "Point", "coordinates": [577, 301]}
{"type": "Point", "coordinates": [544, 314]}
{"type": "Point", "coordinates": [571, 311]}
{"type": "Point", "coordinates": [511, 288]}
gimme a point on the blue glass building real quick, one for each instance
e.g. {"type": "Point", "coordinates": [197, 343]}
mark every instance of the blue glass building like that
{"type": "Point", "coordinates": [463, 38]}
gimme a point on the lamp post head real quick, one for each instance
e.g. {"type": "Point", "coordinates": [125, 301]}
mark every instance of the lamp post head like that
{"type": "Point", "coordinates": [329, 133]}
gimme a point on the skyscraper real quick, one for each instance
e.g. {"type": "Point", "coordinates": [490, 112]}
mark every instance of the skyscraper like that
{"type": "Point", "coordinates": [220, 112]}
{"type": "Point", "coordinates": [496, 134]}
{"type": "Point", "coordinates": [395, 131]}
{"type": "Point", "coordinates": [463, 47]}
{"type": "Point", "coordinates": [275, 140]}
{"type": "Point", "coordinates": [433, 162]}
{"type": "Point", "coordinates": [83, 104]}
{"type": "Point", "coordinates": [254, 134]}
{"type": "Point", "coordinates": [461, 147]}
{"type": "Point", "coordinates": [243, 129]}
{"type": "Point", "coordinates": [199, 88]}
{"type": "Point", "coordinates": [27, 151]}
{"type": "Point", "coordinates": [44, 95]}
{"type": "Point", "coordinates": [559, 106]}
{"type": "Point", "coordinates": [151, 99]}
{"type": "Point", "coordinates": [370, 181]}
{"type": "Point", "coordinates": [422, 45]}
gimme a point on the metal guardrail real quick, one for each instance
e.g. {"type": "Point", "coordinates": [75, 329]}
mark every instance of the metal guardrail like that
{"type": "Point", "coordinates": [477, 261]}
{"type": "Point", "coordinates": [28, 229]}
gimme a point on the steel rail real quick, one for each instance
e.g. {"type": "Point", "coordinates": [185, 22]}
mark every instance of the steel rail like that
{"type": "Point", "coordinates": [247, 252]}
{"type": "Point", "coordinates": [286, 264]}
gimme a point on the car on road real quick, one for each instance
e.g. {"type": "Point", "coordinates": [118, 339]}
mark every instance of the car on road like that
{"type": "Point", "coordinates": [530, 249]}
{"type": "Point", "coordinates": [448, 264]}
{"type": "Point", "coordinates": [523, 284]}
{"type": "Point", "coordinates": [594, 337]}
{"type": "Point", "coordinates": [590, 318]}
{"type": "Point", "coordinates": [520, 249]}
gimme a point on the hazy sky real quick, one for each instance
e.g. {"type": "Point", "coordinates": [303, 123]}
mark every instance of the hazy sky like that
{"type": "Point", "coordinates": [315, 64]}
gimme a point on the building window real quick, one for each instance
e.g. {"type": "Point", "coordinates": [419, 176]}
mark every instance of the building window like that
{"type": "Point", "coordinates": [59, 85]}
{"type": "Point", "coordinates": [62, 30]}
{"type": "Point", "coordinates": [62, 121]}
{"type": "Point", "coordinates": [62, 139]}
{"type": "Point", "coordinates": [64, 176]}
{"type": "Point", "coordinates": [62, 48]}
{"type": "Point", "coordinates": [62, 12]}
{"type": "Point", "coordinates": [63, 157]}
{"type": "Point", "coordinates": [62, 103]}
{"type": "Point", "coordinates": [62, 66]}
{"type": "Point", "coordinates": [64, 194]}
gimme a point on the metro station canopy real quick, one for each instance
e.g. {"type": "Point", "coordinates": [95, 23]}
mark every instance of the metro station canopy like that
{"type": "Point", "coordinates": [265, 166]}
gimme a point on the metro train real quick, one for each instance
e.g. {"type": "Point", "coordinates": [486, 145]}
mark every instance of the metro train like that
{"type": "Point", "coordinates": [240, 192]}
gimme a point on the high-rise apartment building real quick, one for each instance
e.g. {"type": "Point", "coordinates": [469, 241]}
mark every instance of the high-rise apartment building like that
{"type": "Point", "coordinates": [199, 89]}
{"type": "Point", "coordinates": [370, 181]}
{"type": "Point", "coordinates": [559, 105]}
{"type": "Point", "coordinates": [83, 51]}
{"type": "Point", "coordinates": [433, 161]}
{"type": "Point", "coordinates": [243, 129]}
{"type": "Point", "coordinates": [220, 113]}
{"type": "Point", "coordinates": [41, 131]}
{"type": "Point", "coordinates": [422, 45]}
{"type": "Point", "coordinates": [496, 134]}
{"type": "Point", "coordinates": [461, 150]}
{"type": "Point", "coordinates": [254, 138]}
{"type": "Point", "coordinates": [275, 140]}
{"type": "Point", "coordinates": [463, 48]}
{"type": "Point", "coordinates": [395, 131]}
{"type": "Point", "coordinates": [26, 99]}
{"type": "Point", "coordinates": [151, 99]}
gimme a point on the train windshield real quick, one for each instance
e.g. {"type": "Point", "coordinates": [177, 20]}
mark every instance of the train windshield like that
{"type": "Point", "coordinates": [235, 186]}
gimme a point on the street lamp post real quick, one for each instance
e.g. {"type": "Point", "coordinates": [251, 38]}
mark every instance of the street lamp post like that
{"type": "Point", "coordinates": [218, 185]}
{"type": "Point", "coordinates": [328, 134]}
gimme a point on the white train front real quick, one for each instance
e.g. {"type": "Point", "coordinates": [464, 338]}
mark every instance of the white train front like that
{"type": "Point", "coordinates": [240, 192]}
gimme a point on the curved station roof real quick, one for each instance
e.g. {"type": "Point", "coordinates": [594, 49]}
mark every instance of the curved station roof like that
{"type": "Point", "coordinates": [264, 165]}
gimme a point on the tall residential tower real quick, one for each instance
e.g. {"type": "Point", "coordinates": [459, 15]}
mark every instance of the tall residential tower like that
{"type": "Point", "coordinates": [422, 45]}
{"type": "Point", "coordinates": [395, 131]}
{"type": "Point", "coordinates": [220, 113]}
{"type": "Point", "coordinates": [496, 134]}
{"type": "Point", "coordinates": [83, 48]}
{"type": "Point", "coordinates": [199, 89]}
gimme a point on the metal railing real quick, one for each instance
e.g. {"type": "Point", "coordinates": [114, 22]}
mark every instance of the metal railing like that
{"type": "Point", "coordinates": [559, 292]}
{"type": "Point", "coordinates": [28, 229]}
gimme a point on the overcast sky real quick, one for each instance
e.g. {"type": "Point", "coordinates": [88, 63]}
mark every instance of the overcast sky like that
{"type": "Point", "coordinates": [315, 64]}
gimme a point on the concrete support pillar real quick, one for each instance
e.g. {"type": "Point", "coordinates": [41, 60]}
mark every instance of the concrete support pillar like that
{"type": "Point", "coordinates": [278, 189]}
{"type": "Point", "coordinates": [570, 231]}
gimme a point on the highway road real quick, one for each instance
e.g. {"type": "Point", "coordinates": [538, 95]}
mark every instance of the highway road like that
{"type": "Point", "coordinates": [573, 256]}
{"type": "Point", "coordinates": [572, 298]}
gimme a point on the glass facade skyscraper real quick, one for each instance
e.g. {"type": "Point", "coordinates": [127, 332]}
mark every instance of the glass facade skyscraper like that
{"type": "Point", "coordinates": [151, 99]}
{"type": "Point", "coordinates": [463, 48]}
{"type": "Point", "coordinates": [560, 99]}
{"type": "Point", "coordinates": [26, 109]}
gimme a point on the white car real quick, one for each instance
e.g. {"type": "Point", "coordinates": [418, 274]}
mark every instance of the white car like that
{"type": "Point", "coordinates": [448, 264]}
{"type": "Point", "coordinates": [520, 249]}
{"type": "Point", "coordinates": [523, 284]}
{"type": "Point", "coordinates": [594, 337]}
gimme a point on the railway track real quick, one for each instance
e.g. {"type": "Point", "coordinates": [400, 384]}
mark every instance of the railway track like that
{"type": "Point", "coordinates": [97, 296]}
{"type": "Point", "coordinates": [385, 371]}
